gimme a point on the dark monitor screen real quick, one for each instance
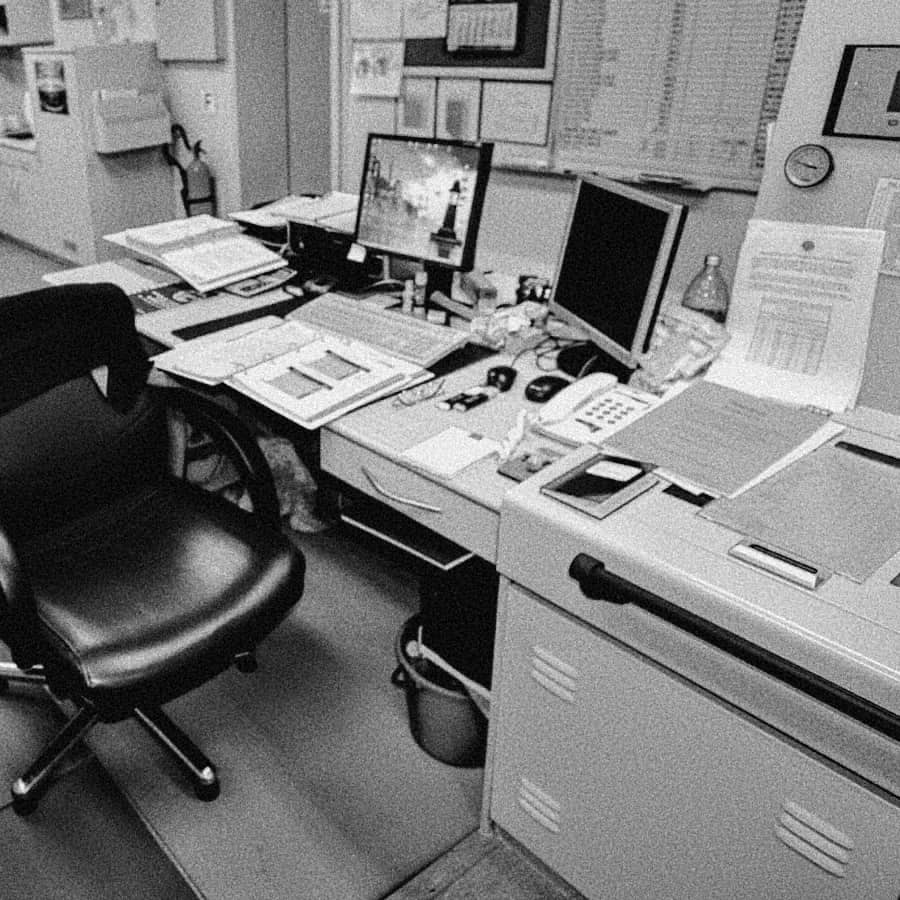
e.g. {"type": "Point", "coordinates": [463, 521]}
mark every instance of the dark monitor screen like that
{"type": "Point", "coordinates": [421, 198]}
{"type": "Point", "coordinates": [614, 266]}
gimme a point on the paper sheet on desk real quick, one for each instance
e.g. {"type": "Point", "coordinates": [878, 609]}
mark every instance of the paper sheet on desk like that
{"type": "Point", "coordinates": [131, 275]}
{"type": "Point", "coordinates": [800, 312]}
{"type": "Point", "coordinates": [717, 438]}
{"type": "Point", "coordinates": [450, 451]}
{"type": "Point", "coordinates": [834, 508]}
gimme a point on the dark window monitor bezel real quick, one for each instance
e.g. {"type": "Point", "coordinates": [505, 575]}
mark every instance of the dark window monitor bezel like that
{"type": "Point", "coordinates": [466, 262]}
{"type": "Point", "coordinates": [622, 358]}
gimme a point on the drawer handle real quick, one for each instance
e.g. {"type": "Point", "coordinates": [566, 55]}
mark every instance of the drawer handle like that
{"type": "Point", "coordinates": [418, 504]}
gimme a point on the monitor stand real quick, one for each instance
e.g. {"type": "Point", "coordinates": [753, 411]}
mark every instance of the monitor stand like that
{"type": "Point", "coordinates": [440, 278]}
{"type": "Point", "coordinates": [585, 358]}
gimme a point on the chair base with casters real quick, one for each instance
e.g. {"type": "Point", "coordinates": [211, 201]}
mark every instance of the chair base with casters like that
{"type": "Point", "coordinates": [28, 788]}
{"type": "Point", "coordinates": [122, 585]}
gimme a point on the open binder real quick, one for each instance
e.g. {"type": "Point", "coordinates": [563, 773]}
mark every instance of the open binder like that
{"type": "Point", "coordinates": [207, 252]}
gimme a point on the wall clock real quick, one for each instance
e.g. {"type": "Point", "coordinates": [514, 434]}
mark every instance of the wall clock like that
{"type": "Point", "coordinates": [808, 165]}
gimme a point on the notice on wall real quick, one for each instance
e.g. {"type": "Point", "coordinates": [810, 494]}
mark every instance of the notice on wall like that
{"type": "Point", "coordinates": [424, 18]}
{"type": "Point", "coordinates": [376, 20]}
{"type": "Point", "coordinates": [680, 89]}
{"type": "Point", "coordinates": [884, 213]}
{"type": "Point", "coordinates": [377, 68]}
{"type": "Point", "coordinates": [801, 307]}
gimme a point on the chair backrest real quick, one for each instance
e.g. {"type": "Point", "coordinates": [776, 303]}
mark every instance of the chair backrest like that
{"type": "Point", "coordinates": [66, 446]}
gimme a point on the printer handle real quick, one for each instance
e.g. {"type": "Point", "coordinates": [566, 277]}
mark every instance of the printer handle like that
{"type": "Point", "coordinates": [598, 583]}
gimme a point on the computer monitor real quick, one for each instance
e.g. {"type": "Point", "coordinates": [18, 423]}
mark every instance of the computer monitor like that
{"type": "Point", "coordinates": [612, 273]}
{"type": "Point", "coordinates": [421, 199]}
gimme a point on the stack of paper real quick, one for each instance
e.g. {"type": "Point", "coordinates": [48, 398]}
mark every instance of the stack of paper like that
{"type": "Point", "coordinates": [163, 236]}
{"type": "Point", "coordinates": [327, 210]}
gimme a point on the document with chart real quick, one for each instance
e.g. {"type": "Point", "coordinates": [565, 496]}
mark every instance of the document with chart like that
{"type": "Point", "coordinates": [800, 313]}
{"type": "Point", "coordinates": [308, 377]}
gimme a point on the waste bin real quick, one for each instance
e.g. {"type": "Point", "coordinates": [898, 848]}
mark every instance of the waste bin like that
{"type": "Point", "coordinates": [443, 719]}
{"type": "Point", "coordinates": [459, 610]}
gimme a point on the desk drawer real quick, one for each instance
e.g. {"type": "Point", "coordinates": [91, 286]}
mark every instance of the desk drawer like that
{"type": "Point", "coordinates": [435, 505]}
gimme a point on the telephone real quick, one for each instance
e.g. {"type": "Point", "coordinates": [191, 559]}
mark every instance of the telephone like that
{"type": "Point", "coordinates": [572, 396]}
{"type": "Point", "coordinates": [592, 408]}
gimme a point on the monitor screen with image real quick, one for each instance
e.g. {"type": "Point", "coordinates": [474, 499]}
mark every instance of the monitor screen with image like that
{"type": "Point", "coordinates": [421, 199]}
{"type": "Point", "coordinates": [612, 273]}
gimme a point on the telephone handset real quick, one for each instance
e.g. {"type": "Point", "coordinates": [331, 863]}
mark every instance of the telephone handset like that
{"type": "Point", "coordinates": [574, 395]}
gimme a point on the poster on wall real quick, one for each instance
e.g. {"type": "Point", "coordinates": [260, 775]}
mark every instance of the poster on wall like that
{"type": "Point", "coordinates": [50, 78]}
{"type": "Point", "coordinates": [377, 68]}
{"type": "Point", "coordinates": [458, 106]}
{"type": "Point", "coordinates": [415, 111]}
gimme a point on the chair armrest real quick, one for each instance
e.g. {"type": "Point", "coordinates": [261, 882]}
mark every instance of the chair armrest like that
{"type": "Point", "coordinates": [234, 439]}
{"type": "Point", "coordinates": [18, 618]}
{"type": "Point", "coordinates": [14, 587]}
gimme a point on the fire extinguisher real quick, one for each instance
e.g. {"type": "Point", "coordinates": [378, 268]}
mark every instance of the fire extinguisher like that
{"type": "Point", "coordinates": [197, 183]}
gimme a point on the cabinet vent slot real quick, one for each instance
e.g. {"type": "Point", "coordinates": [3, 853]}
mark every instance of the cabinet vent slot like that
{"type": "Point", "coordinates": [552, 673]}
{"type": "Point", "coordinates": [543, 808]}
{"type": "Point", "coordinates": [813, 838]}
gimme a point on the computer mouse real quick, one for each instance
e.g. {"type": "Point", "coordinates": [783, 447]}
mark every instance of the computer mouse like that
{"type": "Point", "coordinates": [501, 377]}
{"type": "Point", "coordinates": [542, 388]}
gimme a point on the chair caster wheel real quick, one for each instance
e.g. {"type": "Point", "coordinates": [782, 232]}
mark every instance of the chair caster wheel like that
{"type": "Point", "coordinates": [246, 663]}
{"type": "Point", "coordinates": [207, 792]}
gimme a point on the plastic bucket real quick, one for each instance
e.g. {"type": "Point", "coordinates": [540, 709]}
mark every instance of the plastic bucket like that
{"type": "Point", "coordinates": [443, 719]}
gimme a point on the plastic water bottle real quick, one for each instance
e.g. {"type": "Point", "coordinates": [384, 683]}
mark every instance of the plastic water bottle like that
{"type": "Point", "coordinates": [708, 291]}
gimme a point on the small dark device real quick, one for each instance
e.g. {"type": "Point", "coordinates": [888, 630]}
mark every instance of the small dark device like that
{"type": "Point", "coordinates": [501, 377]}
{"type": "Point", "coordinates": [543, 387]}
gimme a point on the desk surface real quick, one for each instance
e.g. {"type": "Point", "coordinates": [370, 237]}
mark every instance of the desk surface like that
{"type": "Point", "coordinates": [381, 432]}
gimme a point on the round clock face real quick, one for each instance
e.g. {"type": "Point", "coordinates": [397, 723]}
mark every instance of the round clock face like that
{"type": "Point", "coordinates": [808, 165]}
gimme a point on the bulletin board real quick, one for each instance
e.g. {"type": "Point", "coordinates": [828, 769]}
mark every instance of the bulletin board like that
{"type": "Point", "coordinates": [537, 34]}
{"type": "Point", "coordinates": [678, 92]}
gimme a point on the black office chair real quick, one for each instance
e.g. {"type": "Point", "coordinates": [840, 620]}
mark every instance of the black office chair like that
{"type": "Point", "coordinates": [122, 586]}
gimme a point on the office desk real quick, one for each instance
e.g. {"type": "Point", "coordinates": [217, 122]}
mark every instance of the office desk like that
{"type": "Point", "coordinates": [693, 726]}
{"type": "Point", "coordinates": [363, 450]}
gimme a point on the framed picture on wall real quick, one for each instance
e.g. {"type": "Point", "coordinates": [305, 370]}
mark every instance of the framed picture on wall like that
{"type": "Point", "coordinates": [458, 108]}
{"type": "Point", "coordinates": [75, 9]}
{"type": "Point", "coordinates": [416, 107]}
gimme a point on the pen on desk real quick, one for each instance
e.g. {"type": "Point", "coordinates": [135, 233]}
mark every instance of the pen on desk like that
{"type": "Point", "coordinates": [869, 453]}
{"type": "Point", "coordinates": [365, 392]}
{"type": "Point", "coordinates": [304, 374]}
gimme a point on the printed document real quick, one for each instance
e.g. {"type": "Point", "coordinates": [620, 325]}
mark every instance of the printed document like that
{"type": "Point", "coordinates": [309, 377]}
{"type": "Point", "coordinates": [800, 312]}
{"type": "Point", "coordinates": [717, 439]}
{"type": "Point", "coordinates": [836, 507]}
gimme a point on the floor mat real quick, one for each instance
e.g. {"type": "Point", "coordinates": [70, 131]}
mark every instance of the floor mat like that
{"type": "Point", "coordinates": [324, 791]}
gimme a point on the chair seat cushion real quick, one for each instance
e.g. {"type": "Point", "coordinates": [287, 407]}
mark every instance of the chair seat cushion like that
{"type": "Point", "coordinates": [156, 593]}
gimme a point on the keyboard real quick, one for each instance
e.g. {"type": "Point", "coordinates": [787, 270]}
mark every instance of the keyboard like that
{"type": "Point", "coordinates": [415, 340]}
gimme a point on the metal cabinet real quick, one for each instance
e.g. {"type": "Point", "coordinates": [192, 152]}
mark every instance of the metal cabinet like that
{"type": "Point", "coordinates": [83, 194]}
{"type": "Point", "coordinates": [632, 782]}
{"type": "Point", "coordinates": [18, 187]}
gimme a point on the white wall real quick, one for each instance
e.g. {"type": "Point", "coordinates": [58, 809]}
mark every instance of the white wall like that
{"type": "Point", "coordinates": [844, 199]}
{"type": "Point", "coordinates": [244, 131]}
